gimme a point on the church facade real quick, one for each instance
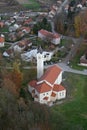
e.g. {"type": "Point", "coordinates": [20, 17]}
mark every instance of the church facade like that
{"type": "Point", "coordinates": [47, 89]}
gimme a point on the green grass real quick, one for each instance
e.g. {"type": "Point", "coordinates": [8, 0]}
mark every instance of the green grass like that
{"type": "Point", "coordinates": [75, 110]}
{"type": "Point", "coordinates": [33, 4]}
{"type": "Point", "coordinates": [4, 29]}
{"type": "Point", "coordinates": [76, 60]}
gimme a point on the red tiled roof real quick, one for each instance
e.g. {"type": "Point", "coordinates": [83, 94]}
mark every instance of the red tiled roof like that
{"type": "Point", "coordinates": [33, 83]}
{"type": "Point", "coordinates": [51, 74]}
{"type": "Point", "coordinates": [45, 98]}
{"type": "Point", "coordinates": [53, 94]}
{"type": "Point", "coordinates": [1, 24]}
{"type": "Point", "coordinates": [46, 33]}
{"type": "Point", "coordinates": [26, 28]}
{"type": "Point", "coordinates": [58, 88]}
{"type": "Point", "coordinates": [28, 21]}
{"type": "Point", "coordinates": [43, 87]}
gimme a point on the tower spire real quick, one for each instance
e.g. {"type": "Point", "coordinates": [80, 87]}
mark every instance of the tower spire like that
{"type": "Point", "coordinates": [40, 63]}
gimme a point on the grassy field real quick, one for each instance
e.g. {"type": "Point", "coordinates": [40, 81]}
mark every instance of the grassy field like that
{"type": "Point", "coordinates": [75, 107]}
{"type": "Point", "coordinates": [76, 60]}
{"type": "Point", "coordinates": [32, 4]}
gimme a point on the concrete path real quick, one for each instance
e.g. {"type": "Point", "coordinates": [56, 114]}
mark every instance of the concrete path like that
{"type": "Point", "coordinates": [67, 68]}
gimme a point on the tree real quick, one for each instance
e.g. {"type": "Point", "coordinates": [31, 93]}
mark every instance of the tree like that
{"type": "Point", "coordinates": [77, 25]}
{"type": "Point", "coordinates": [10, 86]}
{"type": "Point", "coordinates": [44, 24]}
{"type": "Point", "coordinates": [44, 21]}
{"type": "Point", "coordinates": [81, 24]}
{"type": "Point", "coordinates": [59, 22]}
{"type": "Point", "coordinates": [16, 75]}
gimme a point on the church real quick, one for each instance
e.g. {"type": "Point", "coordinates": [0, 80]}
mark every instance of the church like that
{"type": "Point", "coordinates": [47, 88]}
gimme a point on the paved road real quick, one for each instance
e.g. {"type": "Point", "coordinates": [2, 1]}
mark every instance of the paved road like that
{"type": "Point", "coordinates": [61, 7]}
{"type": "Point", "coordinates": [67, 68]}
{"type": "Point", "coordinates": [76, 43]}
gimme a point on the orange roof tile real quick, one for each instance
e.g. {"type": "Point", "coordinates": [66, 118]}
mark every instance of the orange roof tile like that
{"type": "Point", "coordinates": [46, 33]}
{"type": "Point", "coordinates": [2, 39]}
{"type": "Point", "coordinates": [43, 87]}
{"type": "Point", "coordinates": [33, 83]}
{"type": "Point", "coordinates": [51, 74]}
{"type": "Point", "coordinates": [53, 94]}
{"type": "Point", "coordinates": [45, 98]}
{"type": "Point", "coordinates": [58, 88]}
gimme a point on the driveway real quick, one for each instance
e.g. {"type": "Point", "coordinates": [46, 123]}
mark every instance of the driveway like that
{"type": "Point", "coordinates": [67, 68]}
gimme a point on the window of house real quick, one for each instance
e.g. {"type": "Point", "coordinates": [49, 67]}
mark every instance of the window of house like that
{"type": "Point", "coordinates": [60, 94]}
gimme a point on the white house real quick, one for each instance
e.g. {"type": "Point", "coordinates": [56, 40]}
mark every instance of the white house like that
{"type": "Point", "coordinates": [2, 40]}
{"type": "Point", "coordinates": [27, 56]}
{"type": "Point", "coordinates": [21, 45]}
{"type": "Point", "coordinates": [48, 88]}
{"type": "Point", "coordinates": [52, 37]}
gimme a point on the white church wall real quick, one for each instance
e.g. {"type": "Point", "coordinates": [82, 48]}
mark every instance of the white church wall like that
{"type": "Point", "coordinates": [45, 94]}
{"type": "Point", "coordinates": [40, 65]}
{"type": "Point", "coordinates": [59, 79]}
{"type": "Point", "coordinates": [61, 94]}
{"type": "Point", "coordinates": [30, 88]}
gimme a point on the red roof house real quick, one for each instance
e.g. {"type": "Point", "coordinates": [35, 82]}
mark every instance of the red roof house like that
{"type": "Point", "coordinates": [2, 40]}
{"type": "Point", "coordinates": [53, 37]}
{"type": "Point", "coordinates": [48, 88]}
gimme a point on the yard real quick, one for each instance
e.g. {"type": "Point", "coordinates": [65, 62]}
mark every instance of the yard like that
{"type": "Point", "coordinates": [30, 4]}
{"type": "Point", "coordinates": [76, 59]}
{"type": "Point", "coordinates": [74, 109]}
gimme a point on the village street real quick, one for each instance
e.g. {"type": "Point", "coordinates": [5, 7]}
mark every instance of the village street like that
{"type": "Point", "coordinates": [72, 52]}
{"type": "Point", "coordinates": [76, 42]}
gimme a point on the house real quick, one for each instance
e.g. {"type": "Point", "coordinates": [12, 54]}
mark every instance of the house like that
{"type": "Point", "coordinates": [21, 45]}
{"type": "Point", "coordinates": [25, 30]}
{"type": "Point", "coordinates": [1, 24]}
{"type": "Point", "coordinates": [2, 40]}
{"type": "Point", "coordinates": [48, 88]}
{"type": "Point", "coordinates": [52, 37]}
{"type": "Point", "coordinates": [27, 56]}
{"type": "Point", "coordinates": [83, 60]}
{"type": "Point", "coordinates": [13, 28]}
{"type": "Point", "coordinates": [9, 53]}
{"type": "Point", "coordinates": [12, 36]}
{"type": "Point", "coordinates": [27, 21]}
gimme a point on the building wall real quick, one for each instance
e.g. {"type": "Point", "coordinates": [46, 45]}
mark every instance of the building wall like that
{"type": "Point", "coordinates": [61, 94]}
{"type": "Point", "coordinates": [30, 88]}
{"type": "Point", "coordinates": [59, 79]}
{"type": "Point", "coordinates": [41, 35]}
{"type": "Point", "coordinates": [46, 94]}
{"type": "Point", "coordinates": [17, 48]}
{"type": "Point", "coordinates": [56, 41]}
{"type": "Point", "coordinates": [40, 65]}
{"type": "Point", "coordinates": [2, 44]}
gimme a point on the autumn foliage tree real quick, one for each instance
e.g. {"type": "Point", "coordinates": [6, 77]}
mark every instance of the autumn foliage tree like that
{"type": "Point", "coordinates": [16, 75]}
{"type": "Point", "coordinates": [77, 25]}
{"type": "Point", "coordinates": [80, 24]}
